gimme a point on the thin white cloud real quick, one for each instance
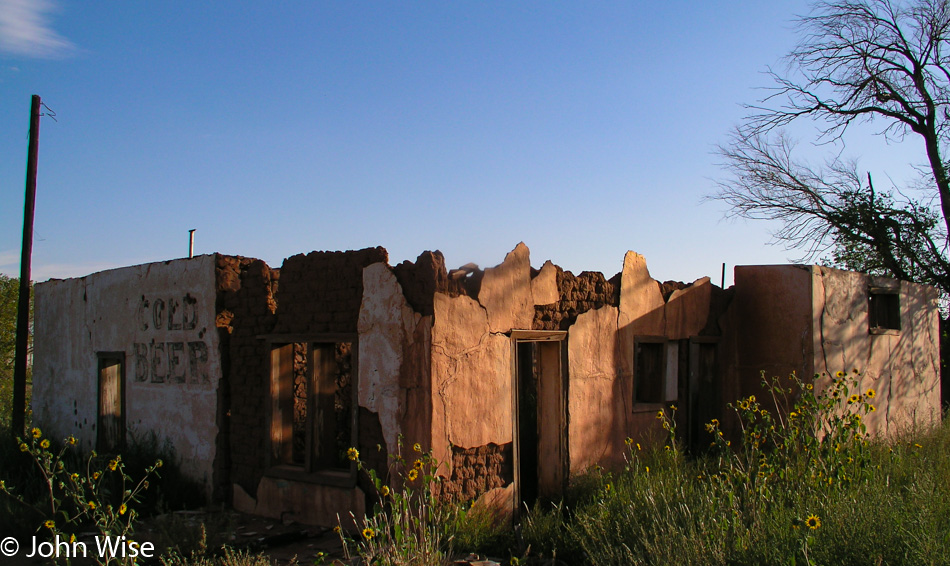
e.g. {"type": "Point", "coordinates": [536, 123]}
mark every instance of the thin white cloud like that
{"type": "Point", "coordinates": [10, 266]}
{"type": "Point", "coordinates": [45, 272]}
{"type": "Point", "coordinates": [25, 30]}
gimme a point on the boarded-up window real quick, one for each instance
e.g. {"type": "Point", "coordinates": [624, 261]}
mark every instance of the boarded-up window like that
{"type": "Point", "coordinates": [313, 404]}
{"type": "Point", "coordinates": [110, 424]}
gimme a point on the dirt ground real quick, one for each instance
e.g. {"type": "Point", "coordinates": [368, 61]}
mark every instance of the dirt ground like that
{"type": "Point", "coordinates": [285, 542]}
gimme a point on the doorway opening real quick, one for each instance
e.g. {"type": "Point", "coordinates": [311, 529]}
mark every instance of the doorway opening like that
{"type": "Point", "coordinates": [540, 415]}
{"type": "Point", "coordinates": [703, 402]}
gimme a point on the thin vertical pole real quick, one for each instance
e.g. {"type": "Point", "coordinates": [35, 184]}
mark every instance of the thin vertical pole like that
{"type": "Point", "coordinates": [23, 308]}
{"type": "Point", "coordinates": [191, 243]}
{"type": "Point", "coordinates": [723, 279]}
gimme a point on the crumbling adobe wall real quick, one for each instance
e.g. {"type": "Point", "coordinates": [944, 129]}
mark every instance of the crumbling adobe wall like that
{"type": "Point", "coordinates": [393, 351]}
{"type": "Point", "coordinates": [320, 292]}
{"type": "Point", "coordinates": [575, 296]}
{"type": "Point", "coordinates": [599, 398]}
{"type": "Point", "coordinates": [323, 291]}
{"type": "Point", "coordinates": [245, 307]}
{"type": "Point", "coordinates": [422, 279]}
{"type": "Point", "coordinates": [471, 365]}
{"type": "Point", "coordinates": [601, 354]}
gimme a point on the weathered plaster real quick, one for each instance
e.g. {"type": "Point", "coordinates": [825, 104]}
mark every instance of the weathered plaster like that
{"type": "Point", "coordinates": [471, 373]}
{"type": "Point", "coordinates": [641, 304]}
{"type": "Point", "coordinates": [597, 402]}
{"type": "Point", "coordinates": [506, 292]}
{"type": "Point", "coordinates": [386, 327]}
{"type": "Point", "coordinates": [162, 316]}
{"type": "Point", "coordinates": [544, 285]}
{"type": "Point", "coordinates": [902, 368]}
{"type": "Point", "coordinates": [641, 307]}
{"type": "Point", "coordinates": [687, 310]}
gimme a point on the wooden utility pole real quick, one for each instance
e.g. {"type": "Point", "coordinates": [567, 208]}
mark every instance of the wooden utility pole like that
{"type": "Point", "coordinates": [23, 308]}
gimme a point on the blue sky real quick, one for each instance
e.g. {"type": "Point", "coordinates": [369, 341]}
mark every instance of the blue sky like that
{"type": "Point", "coordinates": [275, 128]}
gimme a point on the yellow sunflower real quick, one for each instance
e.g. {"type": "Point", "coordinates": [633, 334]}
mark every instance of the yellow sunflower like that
{"type": "Point", "coordinates": [813, 522]}
{"type": "Point", "coordinates": [352, 454]}
{"type": "Point", "coordinates": [368, 533]}
{"type": "Point", "coordinates": [412, 475]}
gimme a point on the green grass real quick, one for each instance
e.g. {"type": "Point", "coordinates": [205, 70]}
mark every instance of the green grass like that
{"type": "Point", "coordinates": [886, 502]}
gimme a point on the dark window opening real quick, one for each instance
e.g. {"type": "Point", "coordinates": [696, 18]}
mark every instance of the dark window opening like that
{"type": "Point", "coordinates": [884, 311]}
{"type": "Point", "coordinates": [312, 389]}
{"type": "Point", "coordinates": [649, 372]}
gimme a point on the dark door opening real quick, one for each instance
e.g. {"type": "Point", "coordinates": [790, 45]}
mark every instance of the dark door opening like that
{"type": "Point", "coordinates": [528, 421]}
{"type": "Point", "coordinates": [540, 417]}
{"type": "Point", "coordinates": [703, 392]}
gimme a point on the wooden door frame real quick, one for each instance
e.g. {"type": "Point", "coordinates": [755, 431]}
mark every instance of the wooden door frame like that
{"type": "Point", "coordinates": [521, 336]}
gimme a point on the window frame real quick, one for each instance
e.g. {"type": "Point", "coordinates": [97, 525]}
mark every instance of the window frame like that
{"type": "Point", "coordinates": [310, 471]}
{"type": "Point", "coordinates": [886, 310]}
{"type": "Point", "coordinates": [669, 375]}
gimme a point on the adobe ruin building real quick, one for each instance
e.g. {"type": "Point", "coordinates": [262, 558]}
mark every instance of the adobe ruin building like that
{"type": "Point", "coordinates": [516, 378]}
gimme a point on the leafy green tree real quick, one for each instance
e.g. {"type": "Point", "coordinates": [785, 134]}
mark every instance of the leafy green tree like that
{"type": "Point", "coordinates": [879, 61]}
{"type": "Point", "coordinates": [9, 297]}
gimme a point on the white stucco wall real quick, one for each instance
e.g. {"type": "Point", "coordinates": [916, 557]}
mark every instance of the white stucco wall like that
{"type": "Point", "coordinates": [162, 316]}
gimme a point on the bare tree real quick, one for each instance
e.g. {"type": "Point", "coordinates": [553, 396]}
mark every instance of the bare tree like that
{"type": "Point", "coordinates": [865, 60]}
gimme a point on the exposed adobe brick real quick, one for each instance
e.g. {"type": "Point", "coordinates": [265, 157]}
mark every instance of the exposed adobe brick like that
{"type": "Point", "coordinates": [578, 294]}
{"type": "Point", "coordinates": [477, 470]}
{"type": "Point", "coordinates": [245, 309]}
{"type": "Point", "coordinates": [422, 279]}
{"type": "Point", "coordinates": [323, 283]}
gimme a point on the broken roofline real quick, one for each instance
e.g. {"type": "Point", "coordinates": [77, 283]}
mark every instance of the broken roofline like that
{"type": "Point", "coordinates": [429, 273]}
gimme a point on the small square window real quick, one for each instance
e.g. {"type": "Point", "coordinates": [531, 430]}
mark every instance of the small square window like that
{"type": "Point", "coordinates": [884, 311]}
